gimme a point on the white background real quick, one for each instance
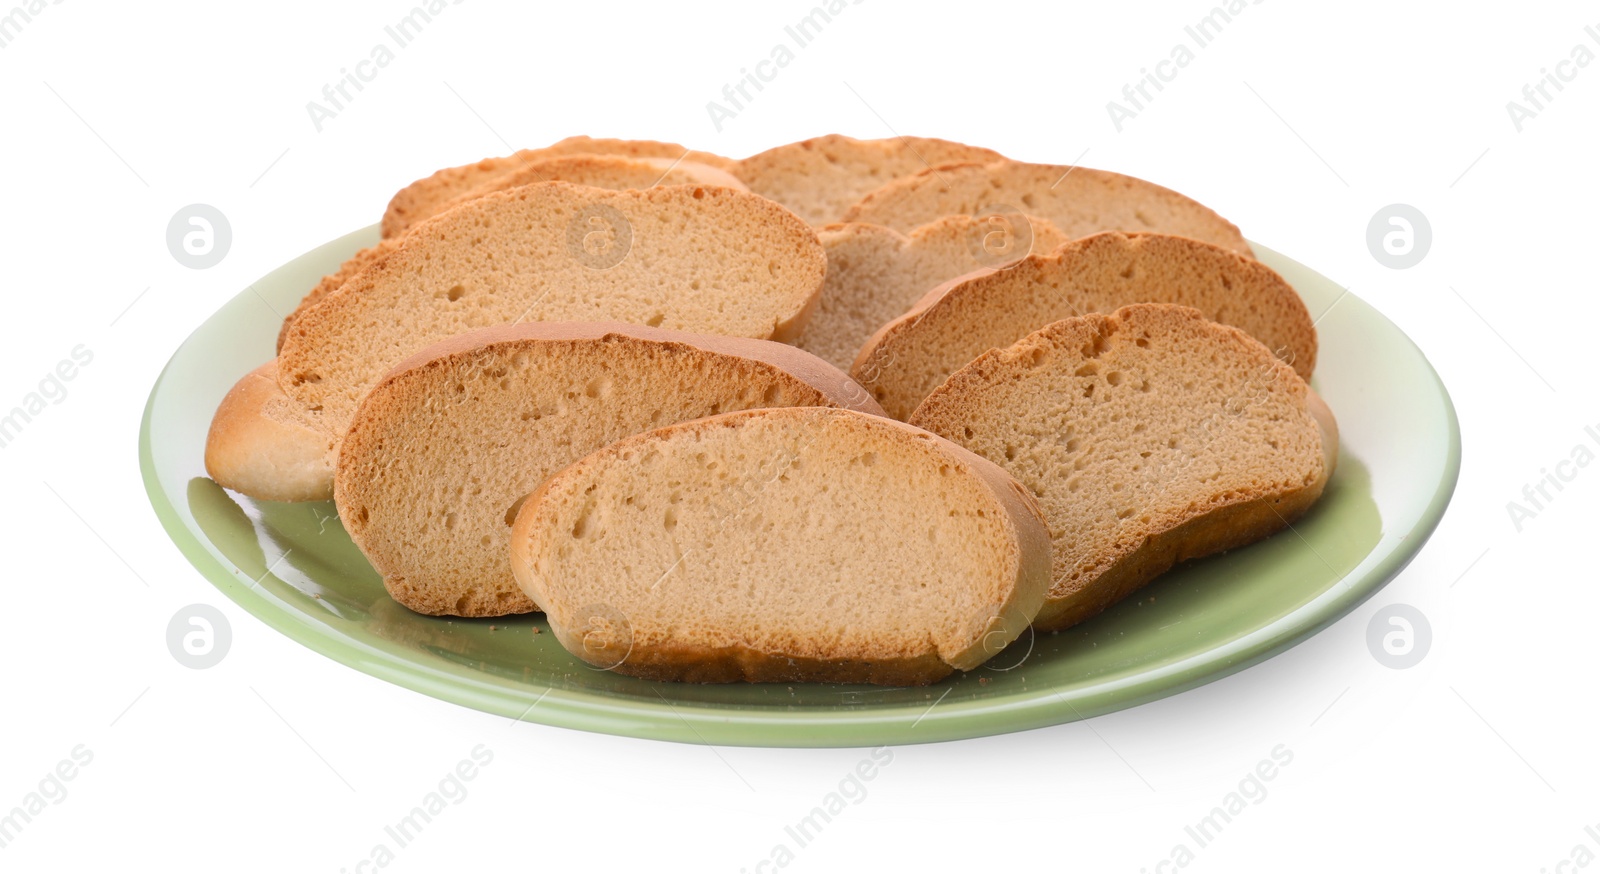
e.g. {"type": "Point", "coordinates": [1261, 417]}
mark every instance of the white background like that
{"type": "Point", "coordinates": [1299, 122]}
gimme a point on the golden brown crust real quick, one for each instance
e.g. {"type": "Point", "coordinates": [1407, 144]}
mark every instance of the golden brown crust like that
{"type": "Point", "coordinates": [257, 446]}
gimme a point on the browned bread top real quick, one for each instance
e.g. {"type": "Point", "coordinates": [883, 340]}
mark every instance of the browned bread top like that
{"type": "Point", "coordinates": [1149, 436]}
{"type": "Point", "coordinates": [876, 273]}
{"type": "Point", "coordinates": [618, 172]}
{"type": "Point", "coordinates": [1078, 200]}
{"type": "Point", "coordinates": [911, 356]}
{"type": "Point", "coordinates": [821, 178]}
{"type": "Point", "coordinates": [425, 197]}
{"type": "Point", "coordinates": [695, 258]}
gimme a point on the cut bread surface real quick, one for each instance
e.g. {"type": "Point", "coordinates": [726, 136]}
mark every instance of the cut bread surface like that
{"type": "Point", "coordinates": [1078, 200]}
{"type": "Point", "coordinates": [444, 449]}
{"type": "Point", "coordinates": [909, 357]}
{"type": "Point", "coordinates": [615, 172]}
{"type": "Point", "coordinates": [821, 178]}
{"type": "Point", "coordinates": [693, 258]}
{"type": "Point", "coordinates": [789, 545]}
{"type": "Point", "coordinates": [876, 273]}
{"type": "Point", "coordinates": [1149, 436]}
{"type": "Point", "coordinates": [425, 197]}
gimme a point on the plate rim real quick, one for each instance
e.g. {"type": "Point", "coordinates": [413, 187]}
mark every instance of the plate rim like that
{"type": "Point", "coordinates": [870, 726]}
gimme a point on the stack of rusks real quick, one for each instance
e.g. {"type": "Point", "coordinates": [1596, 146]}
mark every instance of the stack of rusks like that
{"type": "Point", "coordinates": [843, 411]}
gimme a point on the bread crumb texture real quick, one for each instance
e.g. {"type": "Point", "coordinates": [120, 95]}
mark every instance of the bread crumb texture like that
{"type": "Point", "coordinates": [1078, 200]}
{"type": "Point", "coordinates": [1148, 436]}
{"type": "Point", "coordinates": [953, 324]}
{"type": "Point", "coordinates": [691, 258]}
{"type": "Point", "coordinates": [443, 451]}
{"type": "Point", "coordinates": [784, 545]}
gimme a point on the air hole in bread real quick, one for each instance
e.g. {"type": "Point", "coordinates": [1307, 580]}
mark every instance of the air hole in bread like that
{"type": "Point", "coordinates": [582, 528]}
{"type": "Point", "coordinates": [511, 513]}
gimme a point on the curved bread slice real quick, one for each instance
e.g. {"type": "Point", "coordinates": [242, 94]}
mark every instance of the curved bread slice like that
{"type": "Point", "coordinates": [616, 172]}
{"type": "Point", "coordinates": [266, 446]}
{"type": "Point", "coordinates": [425, 197]}
{"type": "Point", "coordinates": [876, 273]}
{"type": "Point", "coordinates": [701, 259]}
{"type": "Point", "coordinates": [1149, 436]}
{"type": "Point", "coordinates": [821, 178]}
{"type": "Point", "coordinates": [445, 448]}
{"type": "Point", "coordinates": [954, 324]}
{"type": "Point", "coordinates": [1078, 200]}
{"type": "Point", "coordinates": [783, 546]}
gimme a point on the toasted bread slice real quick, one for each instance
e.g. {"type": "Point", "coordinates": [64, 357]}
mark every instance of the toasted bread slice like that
{"type": "Point", "coordinates": [425, 197]}
{"type": "Point", "coordinates": [1078, 200]}
{"type": "Point", "coordinates": [616, 172]}
{"type": "Point", "coordinates": [1149, 436]}
{"type": "Point", "coordinates": [821, 178]}
{"type": "Point", "coordinates": [701, 259]}
{"type": "Point", "coordinates": [955, 323]}
{"type": "Point", "coordinates": [690, 258]}
{"type": "Point", "coordinates": [876, 273]}
{"type": "Point", "coordinates": [786, 545]}
{"type": "Point", "coordinates": [443, 450]}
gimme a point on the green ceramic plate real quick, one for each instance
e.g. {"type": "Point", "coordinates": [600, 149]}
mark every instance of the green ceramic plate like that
{"type": "Point", "coordinates": [293, 567]}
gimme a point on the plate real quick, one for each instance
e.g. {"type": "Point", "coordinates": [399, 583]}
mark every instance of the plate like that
{"type": "Point", "coordinates": [292, 566]}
